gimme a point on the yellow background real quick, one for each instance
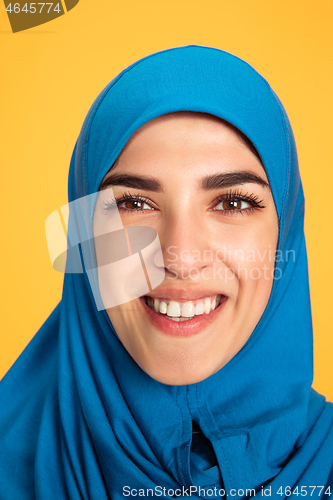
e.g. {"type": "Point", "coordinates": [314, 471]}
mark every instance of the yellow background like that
{"type": "Point", "coordinates": [50, 76]}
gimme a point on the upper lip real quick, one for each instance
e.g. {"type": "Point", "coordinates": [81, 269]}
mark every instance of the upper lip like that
{"type": "Point", "coordinates": [182, 293]}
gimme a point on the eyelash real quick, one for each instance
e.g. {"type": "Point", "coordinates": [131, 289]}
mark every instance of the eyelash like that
{"type": "Point", "coordinates": [236, 195]}
{"type": "Point", "coordinates": [127, 197]}
{"type": "Point", "coordinates": [252, 199]}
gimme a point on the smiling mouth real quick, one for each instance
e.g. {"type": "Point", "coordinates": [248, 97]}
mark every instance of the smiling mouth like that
{"type": "Point", "coordinates": [184, 311]}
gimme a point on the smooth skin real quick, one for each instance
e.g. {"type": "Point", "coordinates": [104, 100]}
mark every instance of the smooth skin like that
{"type": "Point", "coordinates": [209, 246]}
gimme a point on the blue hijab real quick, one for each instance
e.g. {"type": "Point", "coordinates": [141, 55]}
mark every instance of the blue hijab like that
{"type": "Point", "coordinates": [79, 419]}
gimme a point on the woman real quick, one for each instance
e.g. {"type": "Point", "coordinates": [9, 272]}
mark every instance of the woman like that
{"type": "Point", "coordinates": [136, 399]}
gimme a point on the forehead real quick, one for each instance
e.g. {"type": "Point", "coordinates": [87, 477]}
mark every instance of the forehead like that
{"type": "Point", "coordinates": [187, 142]}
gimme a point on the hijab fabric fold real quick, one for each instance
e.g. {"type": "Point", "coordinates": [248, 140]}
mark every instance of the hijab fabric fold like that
{"type": "Point", "coordinates": [79, 419]}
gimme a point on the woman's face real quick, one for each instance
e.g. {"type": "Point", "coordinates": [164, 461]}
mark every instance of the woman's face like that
{"type": "Point", "coordinates": [213, 209]}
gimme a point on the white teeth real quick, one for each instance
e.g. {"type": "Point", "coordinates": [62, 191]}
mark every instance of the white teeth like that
{"type": "Point", "coordinates": [199, 309]}
{"type": "Point", "coordinates": [188, 310]}
{"type": "Point", "coordinates": [163, 307]}
{"type": "Point", "coordinates": [178, 311]}
{"type": "Point", "coordinates": [173, 309]}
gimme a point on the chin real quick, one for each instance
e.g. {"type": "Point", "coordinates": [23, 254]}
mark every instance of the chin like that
{"type": "Point", "coordinates": [183, 367]}
{"type": "Point", "coordinates": [180, 378]}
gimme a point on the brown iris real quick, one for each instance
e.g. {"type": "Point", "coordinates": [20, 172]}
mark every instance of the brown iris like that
{"type": "Point", "coordinates": [232, 204]}
{"type": "Point", "coordinates": [134, 204]}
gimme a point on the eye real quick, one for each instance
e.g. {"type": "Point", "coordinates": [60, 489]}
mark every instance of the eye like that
{"type": "Point", "coordinates": [134, 204]}
{"type": "Point", "coordinates": [130, 203]}
{"type": "Point", "coordinates": [233, 205]}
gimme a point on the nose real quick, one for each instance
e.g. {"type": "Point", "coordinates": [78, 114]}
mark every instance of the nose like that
{"type": "Point", "coordinates": [186, 245]}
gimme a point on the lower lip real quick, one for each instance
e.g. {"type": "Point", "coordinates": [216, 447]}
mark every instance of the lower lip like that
{"type": "Point", "coordinates": [181, 328]}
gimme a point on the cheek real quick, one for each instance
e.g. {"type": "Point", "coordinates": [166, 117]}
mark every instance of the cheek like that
{"type": "Point", "coordinates": [250, 253]}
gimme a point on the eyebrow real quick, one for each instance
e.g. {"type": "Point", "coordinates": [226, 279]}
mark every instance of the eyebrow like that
{"type": "Point", "coordinates": [132, 181]}
{"type": "Point", "coordinates": [208, 183]}
{"type": "Point", "coordinates": [232, 179]}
